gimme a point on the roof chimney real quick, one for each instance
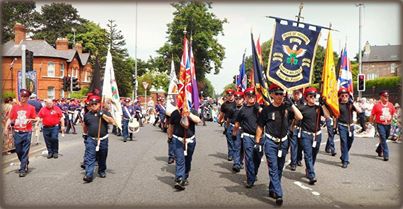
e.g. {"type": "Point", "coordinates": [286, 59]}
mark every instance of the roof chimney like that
{"type": "Point", "coordinates": [62, 44]}
{"type": "Point", "coordinates": [79, 48]}
{"type": "Point", "coordinates": [20, 32]}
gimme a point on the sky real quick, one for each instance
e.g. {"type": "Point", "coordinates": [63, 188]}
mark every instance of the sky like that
{"type": "Point", "coordinates": [380, 25]}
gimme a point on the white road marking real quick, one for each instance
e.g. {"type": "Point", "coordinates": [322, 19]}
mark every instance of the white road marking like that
{"type": "Point", "coordinates": [324, 143]}
{"type": "Point", "coordinates": [301, 185]}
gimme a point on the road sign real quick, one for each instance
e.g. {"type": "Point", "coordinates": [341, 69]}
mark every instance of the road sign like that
{"type": "Point", "coordinates": [145, 85]}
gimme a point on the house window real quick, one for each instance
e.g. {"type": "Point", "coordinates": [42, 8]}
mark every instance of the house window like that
{"type": "Point", "coordinates": [393, 68]}
{"type": "Point", "coordinates": [51, 69]}
{"type": "Point", "coordinates": [89, 77]}
{"type": "Point", "coordinates": [51, 92]}
{"type": "Point", "coordinates": [62, 69]}
{"type": "Point", "coordinates": [371, 76]}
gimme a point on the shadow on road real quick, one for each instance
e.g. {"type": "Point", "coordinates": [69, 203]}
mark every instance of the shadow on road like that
{"type": "Point", "coordinates": [333, 163]}
{"type": "Point", "coordinates": [258, 192]}
{"type": "Point", "coordinates": [293, 175]}
{"type": "Point", "coordinates": [234, 177]}
{"type": "Point", "coordinates": [170, 180]}
{"type": "Point", "coordinates": [219, 155]}
{"type": "Point", "coordinates": [225, 165]}
{"type": "Point", "coordinates": [365, 155]}
{"type": "Point", "coordinates": [162, 158]}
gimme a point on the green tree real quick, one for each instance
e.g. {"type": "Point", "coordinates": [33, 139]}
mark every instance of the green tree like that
{"type": "Point", "coordinates": [204, 27]}
{"type": "Point", "coordinates": [17, 11]}
{"type": "Point", "coordinates": [207, 88]}
{"type": "Point", "coordinates": [57, 20]}
{"type": "Point", "coordinates": [153, 78]}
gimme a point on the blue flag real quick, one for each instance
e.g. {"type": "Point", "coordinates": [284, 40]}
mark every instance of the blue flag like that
{"type": "Point", "coordinates": [241, 81]}
{"type": "Point", "coordinates": [292, 54]}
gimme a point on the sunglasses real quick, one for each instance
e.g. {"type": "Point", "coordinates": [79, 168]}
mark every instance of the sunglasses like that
{"type": "Point", "coordinates": [93, 104]}
{"type": "Point", "coordinates": [344, 95]}
{"type": "Point", "coordinates": [278, 94]}
{"type": "Point", "coordinates": [310, 96]}
{"type": "Point", "coordinates": [250, 95]}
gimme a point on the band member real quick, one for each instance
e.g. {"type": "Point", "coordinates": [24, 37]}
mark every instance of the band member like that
{"type": "Point", "coordinates": [128, 113]}
{"type": "Point", "coordinates": [346, 130]}
{"type": "Point", "coordinates": [182, 131]}
{"type": "Point", "coordinates": [51, 116]}
{"type": "Point", "coordinates": [21, 117]}
{"type": "Point", "coordinates": [382, 113]}
{"type": "Point", "coordinates": [226, 109]}
{"type": "Point", "coordinates": [273, 125]}
{"type": "Point", "coordinates": [96, 125]}
{"type": "Point", "coordinates": [295, 132]}
{"type": "Point", "coordinates": [236, 135]}
{"type": "Point", "coordinates": [311, 135]}
{"type": "Point", "coordinates": [246, 122]}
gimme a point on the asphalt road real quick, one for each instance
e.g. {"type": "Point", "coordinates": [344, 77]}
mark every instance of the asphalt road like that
{"type": "Point", "coordinates": [138, 175]}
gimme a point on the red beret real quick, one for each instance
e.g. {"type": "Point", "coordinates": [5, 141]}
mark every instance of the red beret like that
{"type": "Point", "coordinates": [230, 91]}
{"type": "Point", "coordinates": [249, 91]}
{"type": "Point", "coordinates": [239, 94]}
{"type": "Point", "coordinates": [25, 93]}
{"type": "Point", "coordinates": [310, 90]}
{"type": "Point", "coordinates": [343, 90]}
{"type": "Point", "coordinates": [275, 88]}
{"type": "Point", "coordinates": [384, 93]}
{"type": "Point", "coordinates": [94, 99]}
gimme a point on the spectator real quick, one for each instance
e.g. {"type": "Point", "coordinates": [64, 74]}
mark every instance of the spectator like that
{"type": "Point", "coordinates": [396, 130]}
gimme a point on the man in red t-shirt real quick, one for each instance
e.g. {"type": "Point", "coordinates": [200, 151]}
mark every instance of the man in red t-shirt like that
{"type": "Point", "coordinates": [21, 117]}
{"type": "Point", "coordinates": [51, 116]}
{"type": "Point", "coordinates": [382, 113]}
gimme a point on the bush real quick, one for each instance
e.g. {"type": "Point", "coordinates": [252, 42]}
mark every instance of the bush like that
{"type": "Point", "coordinates": [79, 94]}
{"type": "Point", "coordinates": [387, 82]}
{"type": "Point", "coordinates": [8, 94]}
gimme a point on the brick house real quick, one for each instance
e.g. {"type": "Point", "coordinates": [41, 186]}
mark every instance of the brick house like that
{"type": "Point", "coordinates": [382, 61]}
{"type": "Point", "coordinates": [50, 64]}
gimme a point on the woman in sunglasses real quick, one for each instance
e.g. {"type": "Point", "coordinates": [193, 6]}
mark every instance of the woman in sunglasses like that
{"type": "Point", "coordinates": [346, 130]}
{"type": "Point", "coordinates": [311, 134]}
{"type": "Point", "coordinates": [382, 113]}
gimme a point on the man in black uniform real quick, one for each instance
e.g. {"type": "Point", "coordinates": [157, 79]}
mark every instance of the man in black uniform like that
{"type": "Point", "coordinates": [273, 123]}
{"type": "Point", "coordinates": [246, 122]}
{"type": "Point", "coordinates": [236, 136]}
{"type": "Point", "coordinates": [183, 136]}
{"type": "Point", "coordinates": [295, 132]}
{"type": "Point", "coordinates": [311, 135]}
{"type": "Point", "coordinates": [96, 125]}
{"type": "Point", "coordinates": [226, 109]}
{"type": "Point", "coordinates": [346, 130]}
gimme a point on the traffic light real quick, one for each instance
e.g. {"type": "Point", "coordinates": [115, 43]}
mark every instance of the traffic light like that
{"type": "Point", "coordinates": [234, 79]}
{"type": "Point", "coordinates": [361, 82]}
{"type": "Point", "coordinates": [75, 84]}
{"type": "Point", "coordinates": [29, 60]}
{"type": "Point", "coordinates": [66, 83]}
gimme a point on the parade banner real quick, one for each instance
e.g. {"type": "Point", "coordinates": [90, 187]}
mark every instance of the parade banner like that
{"type": "Point", "coordinates": [261, 84]}
{"type": "Point", "coordinates": [31, 82]}
{"type": "Point", "coordinates": [345, 76]}
{"type": "Point", "coordinates": [172, 89]}
{"type": "Point", "coordinates": [195, 89]}
{"type": "Point", "coordinates": [292, 54]}
{"type": "Point", "coordinates": [329, 82]}
{"type": "Point", "coordinates": [185, 88]}
{"type": "Point", "coordinates": [110, 92]}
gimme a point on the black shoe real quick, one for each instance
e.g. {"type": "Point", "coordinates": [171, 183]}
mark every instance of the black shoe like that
{"type": "Point", "coordinates": [279, 201]}
{"type": "Point", "coordinates": [380, 154]}
{"type": "Point", "coordinates": [312, 181]}
{"type": "Point", "coordinates": [50, 155]}
{"type": "Point", "coordinates": [272, 195]}
{"type": "Point", "coordinates": [293, 167]}
{"type": "Point", "coordinates": [385, 159]}
{"type": "Point", "coordinates": [82, 166]}
{"type": "Point", "coordinates": [334, 153]}
{"type": "Point", "coordinates": [236, 169]}
{"type": "Point", "coordinates": [87, 179]}
{"type": "Point", "coordinates": [186, 182]}
{"type": "Point", "coordinates": [22, 174]}
{"type": "Point", "coordinates": [299, 163]}
{"type": "Point", "coordinates": [55, 155]}
{"type": "Point", "coordinates": [102, 174]}
{"type": "Point", "coordinates": [249, 185]}
{"type": "Point", "coordinates": [344, 165]}
{"type": "Point", "coordinates": [124, 140]}
{"type": "Point", "coordinates": [180, 185]}
{"type": "Point", "coordinates": [229, 158]}
{"type": "Point", "coordinates": [170, 160]}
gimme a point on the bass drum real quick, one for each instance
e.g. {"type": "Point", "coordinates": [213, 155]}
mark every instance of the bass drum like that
{"type": "Point", "coordinates": [134, 126]}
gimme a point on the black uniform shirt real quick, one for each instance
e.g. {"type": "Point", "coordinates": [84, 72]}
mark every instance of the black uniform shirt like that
{"type": "Point", "coordinates": [179, 130]}
{"type": "Point", "coordinates": [227, 108]}
{"type": "Point", "coordinates": [91, 120]}
{"type": "Point", "coordinates": [274, 120]}
{"type": "Point", "coordinates": [291, 115]}
{"type": "Point", "coordinates": [247, 118]}
{"type": "Point", "coordinates": [234, 114]}
{"type": "Point", "coordinates": [309, 120]}
{"type": "Point", "coordinates": [345, 114]}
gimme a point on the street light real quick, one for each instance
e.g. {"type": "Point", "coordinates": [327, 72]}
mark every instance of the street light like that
{"type": "Point", "coordinates": [74, 36]}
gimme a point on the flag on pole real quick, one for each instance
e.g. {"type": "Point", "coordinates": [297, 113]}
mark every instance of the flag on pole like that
{"type": "Point", "coordinates": [329, 84]}
{"type": "Point", "coordinates": [110, 92]}
{"type": "Point", "coordinates": [242, 77]}
{"type": "Point", "coordinates": [172, 89]}
{"type": "Point", "coordinates": [195, 89]}
{"type": "Point", "coordinates": [185, 96]}
{"type": "Point", "coordinates": [261, 85]}
{"type": "Point", "coordinates": [345, 76]}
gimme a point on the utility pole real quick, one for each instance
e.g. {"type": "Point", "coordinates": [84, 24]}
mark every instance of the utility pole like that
{"type": "Point", "coordinates": [299, 17]}
{"type": "Point", "coordinates": [359, 5]}
{"type": "Point", "coordinates": [23, 69]}
{"type": "Point", "coordinates": [135, 60]}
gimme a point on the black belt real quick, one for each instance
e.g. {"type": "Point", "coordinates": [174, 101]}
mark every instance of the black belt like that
{"type": "Point", "coordinates": [50, 126]}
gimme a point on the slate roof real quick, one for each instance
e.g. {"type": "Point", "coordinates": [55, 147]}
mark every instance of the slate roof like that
{"type": "Point", "coordinates": [387, 53]}
{"type": "Point", "coordinates": [42, 49]}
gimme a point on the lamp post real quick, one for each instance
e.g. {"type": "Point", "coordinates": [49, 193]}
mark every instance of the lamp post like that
{"type": "Point", "coordinates": [74, 36]}
{"type": "Point", "coordinates": [145, 85]}
{"type": "Point", "coordinates": [359, 5]}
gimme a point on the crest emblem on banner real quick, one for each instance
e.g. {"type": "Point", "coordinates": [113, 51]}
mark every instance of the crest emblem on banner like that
{"type": "Point", "coordinates": [292, 54]}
